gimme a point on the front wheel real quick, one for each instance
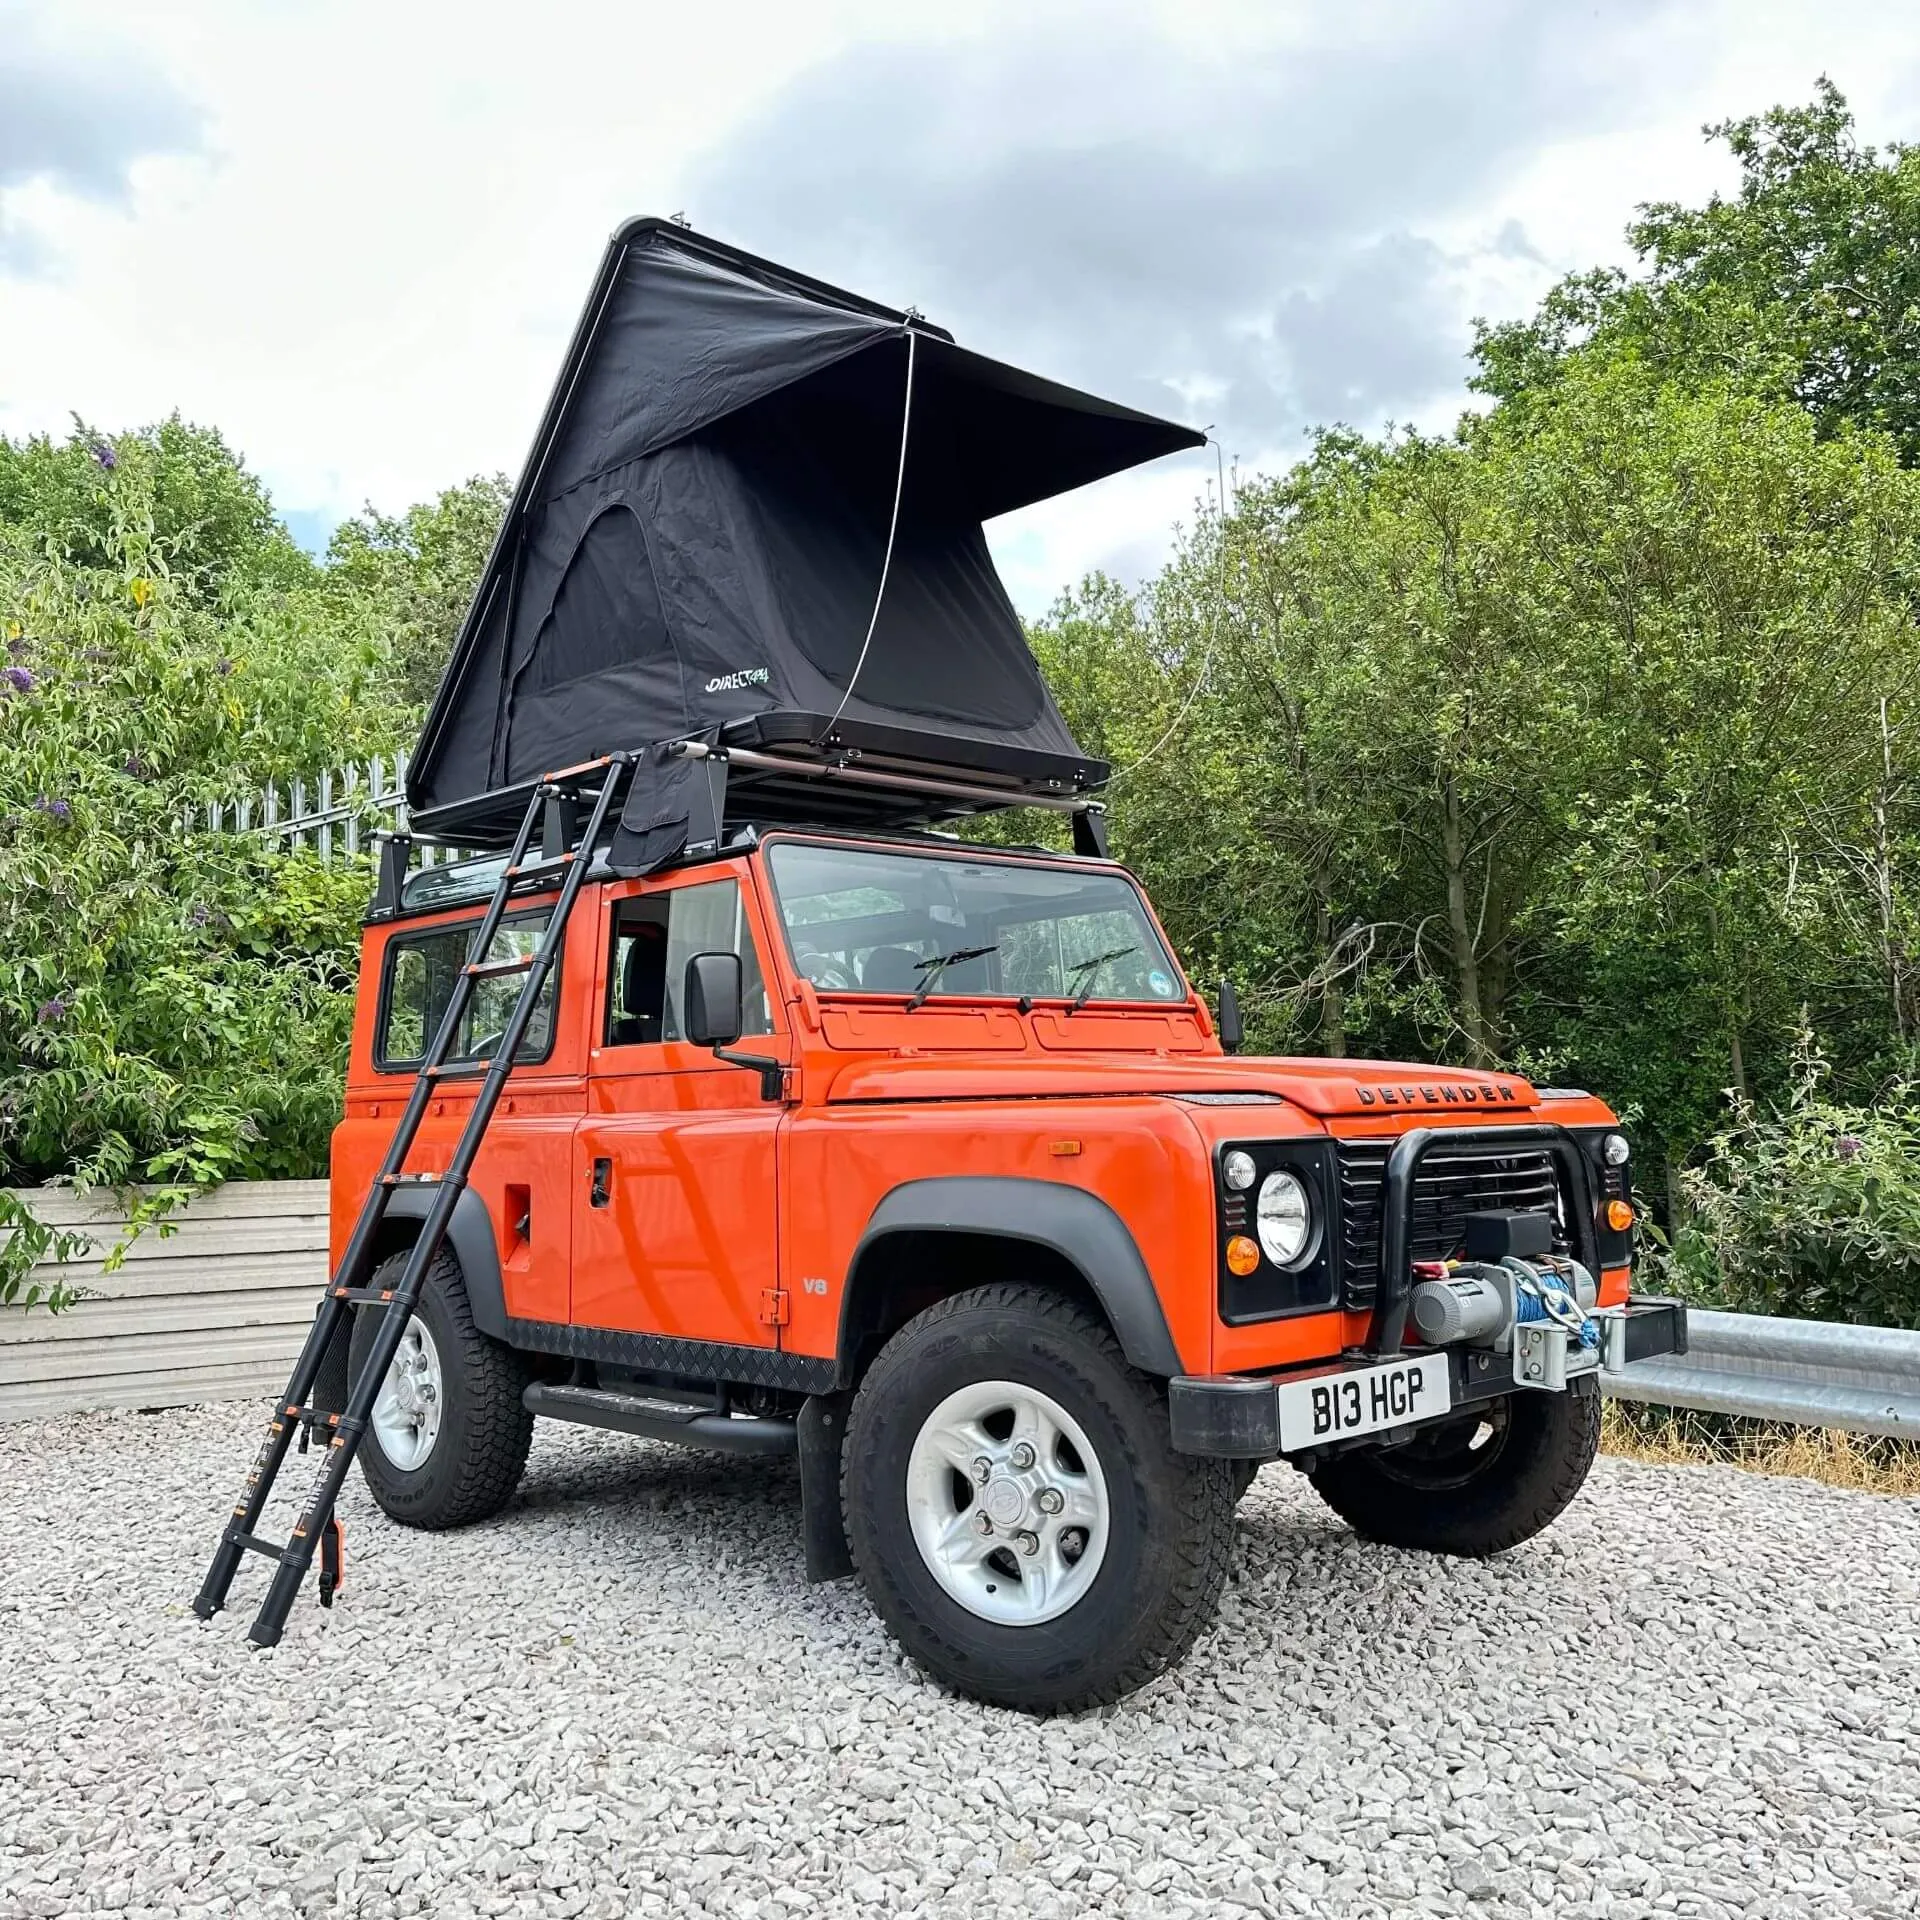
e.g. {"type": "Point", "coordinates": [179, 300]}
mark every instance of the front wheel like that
{"type": "Point", "coordinates": [1017, 1512]}
{"type": "Point", "coordinates": [1476, 1485]}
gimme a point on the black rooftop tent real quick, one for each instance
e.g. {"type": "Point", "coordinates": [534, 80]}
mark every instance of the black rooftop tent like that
{"type": "Point", "coordinates": [732, 457]}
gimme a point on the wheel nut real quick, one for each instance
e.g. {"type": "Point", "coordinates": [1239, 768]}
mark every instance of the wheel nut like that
{"type": "Point", "coordinates": [1051, 1499]}
{"type": "Point", "coordinates": [982, 1524]}
{"type": "Point", "coordinates": [1029, 1542]}
{"type": "Point", "coordinates": [982, 1471]}
{"type": "Point", "coordinates": [1022, 1456]}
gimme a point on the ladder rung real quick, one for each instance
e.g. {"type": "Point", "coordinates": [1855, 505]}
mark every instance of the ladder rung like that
{"type": "Point", "coordinates": [466, 1070]}
{"type": "Point", "coordinates": [412, 1179]}
{"type": "Point", "coordinates": [528, 868]}
{"type": "Point", "coordinates": [252, 1543]}
{"type": "Point", "coordinates": [363, 1296]}
{"type": "Point", "coordinates": [489, 969]}
{"type": "Point", "coordinates": [313, 1417]}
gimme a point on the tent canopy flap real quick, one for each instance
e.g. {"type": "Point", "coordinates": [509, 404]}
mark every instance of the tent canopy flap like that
{"type": "Point", "coordinates": [697, 543]}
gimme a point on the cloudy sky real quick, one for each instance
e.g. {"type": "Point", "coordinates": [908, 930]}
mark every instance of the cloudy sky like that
{"type": "Point", "coordinates": [354, 234]}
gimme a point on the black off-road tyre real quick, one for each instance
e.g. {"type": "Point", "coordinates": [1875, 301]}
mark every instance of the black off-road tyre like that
{"type": "Point", "coordinates": [1170, 1528]}
{"type": "Point", "coordinates": [1438, 1495]}
{"type": "Point", "coordinates": [481, 1448]}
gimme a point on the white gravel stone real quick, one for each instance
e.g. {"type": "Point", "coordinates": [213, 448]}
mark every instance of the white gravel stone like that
{"type": "Point", "coordinates": [1698, 1695]}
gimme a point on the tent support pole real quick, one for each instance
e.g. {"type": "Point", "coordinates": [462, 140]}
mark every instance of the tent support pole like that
{"type": "Point", "coordinates": [752, 760]}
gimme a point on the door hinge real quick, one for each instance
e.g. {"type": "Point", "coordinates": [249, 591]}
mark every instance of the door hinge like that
{"type": "Point", "coordinates": [774, 1306]}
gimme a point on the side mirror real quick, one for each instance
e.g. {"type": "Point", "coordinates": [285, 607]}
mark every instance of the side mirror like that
{"type": "Point", "coordinates": [713, 1003]}
{"type": "Point", "coordinates": [1232, 1030]}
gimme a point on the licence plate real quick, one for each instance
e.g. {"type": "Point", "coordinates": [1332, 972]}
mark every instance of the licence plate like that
{"type": "Point", "coordinates": [1337, 1406]}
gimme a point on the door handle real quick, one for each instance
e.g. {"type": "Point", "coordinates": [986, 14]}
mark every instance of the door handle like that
{"type": "Point", "coordinates": [602, 1183]}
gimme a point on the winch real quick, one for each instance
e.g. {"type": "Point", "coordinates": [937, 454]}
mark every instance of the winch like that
{"type": "Point", "coordinates": [1512, 1293]}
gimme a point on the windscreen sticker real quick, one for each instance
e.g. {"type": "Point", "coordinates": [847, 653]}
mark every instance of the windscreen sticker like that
{"type": "Point", "coordinates": [1161, 983]}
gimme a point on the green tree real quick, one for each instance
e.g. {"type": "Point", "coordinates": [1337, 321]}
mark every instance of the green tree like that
{"type": "Point", "coordinates": [1805, 283]}
{"type": "Point", "coordinates": [415, 573]}
{"type": "Point", "coordinates": [209, 521]}
{"type": "Point", "coordinates": [1554, 742]}
{"type": "Point", "coordinates": [1737, 596]}
{"type": "Point", "coordinates": [173, 1006]}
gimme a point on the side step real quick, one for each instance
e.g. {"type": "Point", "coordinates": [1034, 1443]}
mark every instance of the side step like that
{"type": "Point", "coordinates": [654, 1417]}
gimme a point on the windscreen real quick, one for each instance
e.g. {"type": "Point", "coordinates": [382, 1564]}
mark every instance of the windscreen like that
{"type": "Point", "coordinates": [858, 921]}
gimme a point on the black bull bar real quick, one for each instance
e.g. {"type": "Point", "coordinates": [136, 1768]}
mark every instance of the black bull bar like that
{"type": "Point", "coordinates": [1395, 1292]}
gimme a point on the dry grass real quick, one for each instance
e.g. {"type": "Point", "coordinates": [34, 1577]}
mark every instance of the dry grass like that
{"type": "Point", "coordinates": [1671, 1437]}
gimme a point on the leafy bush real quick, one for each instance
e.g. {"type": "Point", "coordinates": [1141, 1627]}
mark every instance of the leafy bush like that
{"type": "Point", "coordinates": [1812, 1210]}
{"type": "Point", "coordinates": [173, 1006]}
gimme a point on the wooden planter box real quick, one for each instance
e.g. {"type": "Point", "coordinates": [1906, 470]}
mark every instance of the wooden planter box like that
{"type": "Point", "coordinates": [216, 1310]}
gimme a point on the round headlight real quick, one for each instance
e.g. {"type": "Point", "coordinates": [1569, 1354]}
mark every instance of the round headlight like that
{"type": "Point", "coordinates": [1283, 1217]}
{"type": "Point", "coordinates": [1237, 1170]}
{"type": "Point", "coordinates": [1615, 1150]}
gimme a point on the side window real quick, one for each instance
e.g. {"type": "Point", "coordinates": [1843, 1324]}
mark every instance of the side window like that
{"type": "Point", "coordinates": [654, 938]}
{"type": "Point", "coordinates": [421, 972]}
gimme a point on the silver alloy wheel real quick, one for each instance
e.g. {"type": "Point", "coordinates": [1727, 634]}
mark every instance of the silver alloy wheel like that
{"type": "Point", "coordinates": [1007, 1503]}
{"type": "Point", "coordinates": [406, 1411]}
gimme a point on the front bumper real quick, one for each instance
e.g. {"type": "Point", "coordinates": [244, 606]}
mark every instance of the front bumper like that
{"type": "Point", "coordinates": [1237, 1416]}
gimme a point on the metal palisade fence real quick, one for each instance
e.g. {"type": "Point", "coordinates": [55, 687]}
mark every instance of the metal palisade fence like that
{"type": "Point", "coordinates": [338, 811]}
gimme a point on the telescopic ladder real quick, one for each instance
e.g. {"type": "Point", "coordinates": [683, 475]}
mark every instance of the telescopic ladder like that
{"type": "Point", "coordinates": [555, 808]}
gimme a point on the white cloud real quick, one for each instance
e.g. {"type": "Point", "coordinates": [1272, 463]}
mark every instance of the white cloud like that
{"type": "Point", "coordinates": [354, 236]}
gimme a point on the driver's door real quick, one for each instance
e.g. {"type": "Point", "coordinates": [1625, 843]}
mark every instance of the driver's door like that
{"type": "Point", "coordinates": [676, 1208]}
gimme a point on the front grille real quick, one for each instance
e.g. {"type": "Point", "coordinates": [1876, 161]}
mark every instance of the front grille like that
{"type": "Point", "coordinates": [1445, 1190]}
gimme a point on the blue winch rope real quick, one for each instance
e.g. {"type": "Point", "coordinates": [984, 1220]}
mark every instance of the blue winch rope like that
{"type": "Point", "coordinates": [1544, 1296]}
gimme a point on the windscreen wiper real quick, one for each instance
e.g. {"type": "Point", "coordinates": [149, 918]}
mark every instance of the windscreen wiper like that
{"type": "Point", "coordinates": [938, 965]}
{"type": "Point", "coordinates": [1091, 968]}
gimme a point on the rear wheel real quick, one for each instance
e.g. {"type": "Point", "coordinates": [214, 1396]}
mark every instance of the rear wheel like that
{"type": "Point", "coordinates": [448, 1437]}
{"type": "Point", "coordinates": [1476, 1485]}
{"type": "Point", "coordinates": [1017, 1512]}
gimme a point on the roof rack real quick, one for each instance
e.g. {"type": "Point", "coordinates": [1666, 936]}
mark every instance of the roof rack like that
{"type": "Point", "coordinates": [788, 769]}
{"type": "Point", "coordinates": [840, 784]}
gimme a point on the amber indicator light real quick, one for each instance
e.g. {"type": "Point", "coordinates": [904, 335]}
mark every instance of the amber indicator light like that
{"type": "Point", "coordinates": [1243, 1254]}
{"type": "Point", "coordinates": [1619, 1215]}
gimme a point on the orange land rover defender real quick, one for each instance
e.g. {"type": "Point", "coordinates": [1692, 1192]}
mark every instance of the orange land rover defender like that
{"type": "Point", "coordinates": [752, 1110]}
{"type": "Point", "coordinates": [925, 1162]}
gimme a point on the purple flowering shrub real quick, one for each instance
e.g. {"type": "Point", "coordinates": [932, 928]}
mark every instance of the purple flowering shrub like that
{"type": "Point", "coordinates": [174, 1006]}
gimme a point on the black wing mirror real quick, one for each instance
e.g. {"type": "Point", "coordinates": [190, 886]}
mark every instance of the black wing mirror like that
{"type": "Point", "coordinates": [714, 1002]}
{"type": "Point", "coordinates": [1232, 1029]}
{"type": "Point", "coordinates": [713, 1005]}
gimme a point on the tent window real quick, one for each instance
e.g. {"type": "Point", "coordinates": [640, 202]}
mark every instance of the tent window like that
{"type": "Point", "coordinates": [606, 613]}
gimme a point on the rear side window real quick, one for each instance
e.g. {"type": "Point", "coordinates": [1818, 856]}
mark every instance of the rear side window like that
{"type": "Point", "coordinates": [418, 987]}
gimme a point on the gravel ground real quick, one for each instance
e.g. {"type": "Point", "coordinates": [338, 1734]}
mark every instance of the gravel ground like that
{"type": "Point", "coordinates": [1699, 1694]}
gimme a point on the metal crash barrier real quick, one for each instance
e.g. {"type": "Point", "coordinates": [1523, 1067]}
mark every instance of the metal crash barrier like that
{"type": "Point", "coordinates": [1810, 1373]}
